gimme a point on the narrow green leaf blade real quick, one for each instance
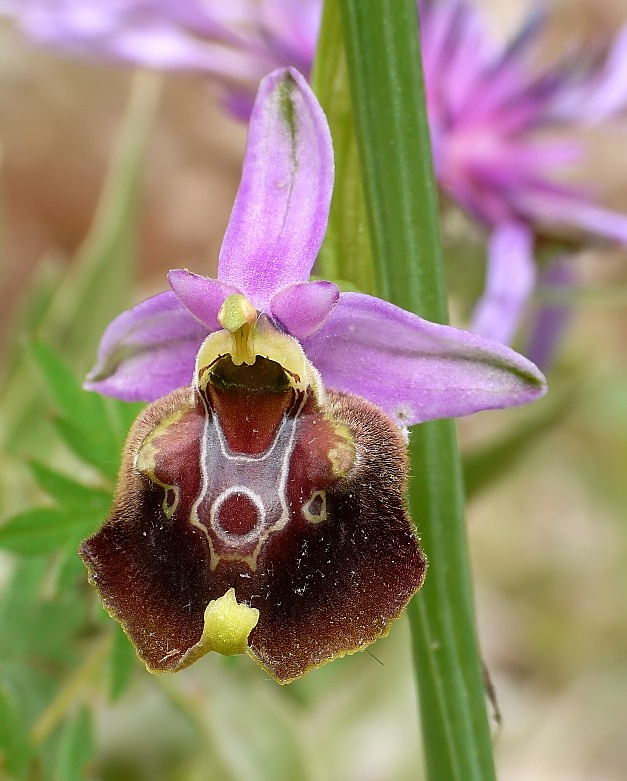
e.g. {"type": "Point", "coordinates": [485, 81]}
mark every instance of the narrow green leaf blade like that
{"type": "Point", "coordinates": [69, 572]}
{"type": "Point", "coordinates": [67, 491]}
{"type": "Point", "coordinates": [66, 394]}
{"type": "Point", "coordinates": [43, 530]}
{"type": "Point", "coordinates": [122, 663]}
{"type": "Point", "coordinates": [76, 748]}
{"type": "Point", "coordinates": [32, 626]}
{"type": "Point", "coordinates": [345, 252]}
{"type": "Point", "coordinates": [122, 415]}
{"type": "Point", "coordinates": [96, 447]}
{"type": "Point", "coordinates": [34, 303]}
{"type": "Point", "coordinates": [84, 418]}
{"type": "Point", "coordinates": [15, 752]}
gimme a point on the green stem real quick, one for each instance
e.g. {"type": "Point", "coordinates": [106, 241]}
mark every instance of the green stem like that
{"type": "Point", "coordinates": [346, 254]}
{"type": "Point", "coordinates": [382, 51]}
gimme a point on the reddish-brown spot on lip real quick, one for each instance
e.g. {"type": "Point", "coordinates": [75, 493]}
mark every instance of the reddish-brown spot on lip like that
{"type": "Point", "coordinates": [238, 514]}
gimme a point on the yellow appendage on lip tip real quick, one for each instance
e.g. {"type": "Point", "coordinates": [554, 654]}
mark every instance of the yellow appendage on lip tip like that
{"type": "Point", "coordinates": [239, 316]}
{"type": "Point", "coordinates": [226, 629]}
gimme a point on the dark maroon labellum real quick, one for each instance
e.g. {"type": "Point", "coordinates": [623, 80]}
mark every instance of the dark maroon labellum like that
{"type": "Point", "coordinates": [252, 482]}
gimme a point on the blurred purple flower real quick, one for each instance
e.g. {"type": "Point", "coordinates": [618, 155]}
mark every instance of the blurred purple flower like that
{"type": "Point", "coordinates": [489, 107]}
{"type": "Point", "coordinates": [550, 321]}
{"type": "Point", "coordinates": [491, 113]}
{"type": "Point", "coordinates": [236, 43]}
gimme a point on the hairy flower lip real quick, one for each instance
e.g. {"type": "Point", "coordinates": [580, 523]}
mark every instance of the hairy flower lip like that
{"type": "Point", "coordinates": [255, 514]}
{"type": "Point", "coordinates": [328, 564]}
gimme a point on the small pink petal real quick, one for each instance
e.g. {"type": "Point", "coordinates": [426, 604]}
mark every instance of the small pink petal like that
{"type": "Point", "coordinates": [303, 307]}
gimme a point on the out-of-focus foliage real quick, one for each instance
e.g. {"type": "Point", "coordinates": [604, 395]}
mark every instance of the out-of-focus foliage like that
{"type": "Point", "coordinates": [52, 640]}
{"type": "Point", "coordinates": [72, 310]}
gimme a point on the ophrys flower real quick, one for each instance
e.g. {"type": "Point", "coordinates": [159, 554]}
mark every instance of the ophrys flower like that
{"type": "Point", "coordinates": [260, 505]}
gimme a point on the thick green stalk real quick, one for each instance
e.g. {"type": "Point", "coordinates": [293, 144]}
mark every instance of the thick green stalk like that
{"type": "Point", "coordinates": [382, 53]}
{"type": "Point", "coordinates": [345, 254]}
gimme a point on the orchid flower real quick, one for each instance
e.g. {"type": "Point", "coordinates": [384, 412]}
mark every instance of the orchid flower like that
{"type": "Point", "coordinates": [260, 504]}
{"type": "Point", "coordinates": [487, 106]}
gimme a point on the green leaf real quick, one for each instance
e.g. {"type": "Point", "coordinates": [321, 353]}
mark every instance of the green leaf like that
{"type": "Point", "coordinates": [76, 748]}
{"type": "Point", "coordinates": [67, 491]}
{"type": "Point", "coordinates": [43, 530]}
{"type": "Point", "coordinates": [122, 663]}
{"type": "Point", "coordinates": [15, 751]}
{"type": "Point", "coordinates": [69, 571]}
{"type": "Point", "coordinates": [383, 56]}
{"type": "Point", "coordinates": [66, 393]}
{"type": "Point", "coordinates": [345, 252]}
{"type": "Point", "coordinates": [35, 627]}
{"type": "Point", "coordinates": [39, 645]}
{"type": "Point", "coordinates": [122, 415]}
{"type": "Point", "coordinates": [43, 283]}
{"type": "Point", "coordinates": [84, 423]}
{"type": "Point", "coordinates": [96, 446]}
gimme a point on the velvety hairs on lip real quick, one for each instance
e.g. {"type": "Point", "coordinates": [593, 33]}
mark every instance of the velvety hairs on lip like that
{"type": "Point", "coordinates": [260, 503]}
{"type": "Point", "coordinates": [253, 515]}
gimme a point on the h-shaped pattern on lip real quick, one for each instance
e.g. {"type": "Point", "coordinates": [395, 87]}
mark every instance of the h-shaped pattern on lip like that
{"type": "Point", "coordinates": [241, 496]}
{"type": "Point", "coordinates": [228, 476]}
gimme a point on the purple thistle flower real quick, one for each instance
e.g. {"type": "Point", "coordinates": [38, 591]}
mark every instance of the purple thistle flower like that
{"type": "Point", "coordinates": [260, 504]}
{"type": "Point", "coordinates": [487, 106]}
{"type": "Point", "coordinates": [489, 113]}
